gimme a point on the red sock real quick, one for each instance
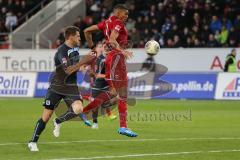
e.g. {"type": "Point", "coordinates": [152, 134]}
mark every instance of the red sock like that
{"type": "Point", "coordinates": [122, 109]}
{"type": "Point", "coordinates": [99, 100]}
{"type": "Point", "coordinates": [86, 97]}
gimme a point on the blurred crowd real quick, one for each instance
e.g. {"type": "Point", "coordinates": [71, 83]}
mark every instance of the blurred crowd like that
{"type": "Point", "coordinates": [11, 12]}
{"type": "Point", "coordinates": [173, 23]}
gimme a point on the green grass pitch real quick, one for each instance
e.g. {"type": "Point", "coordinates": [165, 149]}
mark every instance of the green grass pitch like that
{"type": "Point", "coordinates": [168, 130]}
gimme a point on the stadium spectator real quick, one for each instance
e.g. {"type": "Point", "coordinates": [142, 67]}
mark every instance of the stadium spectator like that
{"type": "Point", "coordinates": [196, 20]}
{"type": "Point", "coordinates": [223, 36]}
{"type": "Point", "coordinates": [10, 12]}
{"type": "Point", "coordinates": [3, 12]}
{"type": "Point", "coordinates": [212, 42]}
{"type": "Point", "coordinates": [197, 43]}
{"type": "Point", "coordinates": [135, 37]}
{"type": "Point", "coordinates": [184, 35]}
{"type": "Point", "coordinates": [169, 19]}
{"type": "Point", "coordinates": [216, 24]}
{"type": "Point", "coordinates": [146, 35]}
{"type": "Point", "coordinates": [141, 44]}
{"type": "Point", "coordinates": [176, 42]}
{"type": "Point", "coordinates": [237, 22]}
{"type": "Point", "coordinates": [166, 26]}
{"type": "Point", "coordinates": [226, 23]}
{"type": "Point", "coordinates": [139, 23]}
{"type": "Point", "coordinates": [232, 38]}
{"type": "Point", "coordinates": [11, 21]}
{"type": "Point", "coordinates": [170, 43]}
{"type": "Point", "coordinates": [204, 34]}
{"type": "Point", "coordinates": [130, 24]}
{"type": "Point", "coordinates": [163, 19]}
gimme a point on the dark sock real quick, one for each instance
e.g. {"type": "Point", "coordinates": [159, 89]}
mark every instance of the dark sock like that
{"type": "Point", "coordinates": [95, 120]}
{"type": "Point", "coordinates": [66, 116]}
{"type": "Point", "coordinates": [38, 130]}
{"type": "Point", "coordinates": [95, 115]}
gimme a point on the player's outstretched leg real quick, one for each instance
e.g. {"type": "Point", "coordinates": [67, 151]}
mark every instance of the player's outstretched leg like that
{"type": "Point", "coordinates": [84, 119]}
{"type": "Point", "coordinates": [98, 101]}
{"type": "Point", "coordinates": [73, 111]}
{"type": "Point", "coordinates": [40, 126]}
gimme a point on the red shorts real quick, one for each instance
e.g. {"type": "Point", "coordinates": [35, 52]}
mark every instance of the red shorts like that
{"type": "Point", "coordinates": [116, 70]}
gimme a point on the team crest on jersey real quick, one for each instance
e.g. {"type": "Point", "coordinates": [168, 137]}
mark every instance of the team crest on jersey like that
{"type": "Point", "coordinates": [117, 27]}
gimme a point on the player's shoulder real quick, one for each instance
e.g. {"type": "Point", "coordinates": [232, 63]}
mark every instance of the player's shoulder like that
{"type": "Point", "coordinates": [118, 22]}
{"type": "Point", "coordinates": [114, 19]}
{"type": "Point", "coordinates": [62, 48]}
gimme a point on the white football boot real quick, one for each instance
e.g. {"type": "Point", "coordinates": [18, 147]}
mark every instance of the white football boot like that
{"type": "Point", "coordinates": [56, 130]}
{"type": "Point", "coordinates": [33, 147]}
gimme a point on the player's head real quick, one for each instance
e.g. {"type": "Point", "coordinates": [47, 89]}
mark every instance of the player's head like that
{"type": "Point", "coordinates": [234, 51]}
{"type": "Point", "coordinates": [121, 11]}
{"type": "Point", "coordinates": [72, 35]}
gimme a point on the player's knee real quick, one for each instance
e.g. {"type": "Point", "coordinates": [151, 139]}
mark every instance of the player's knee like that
{"type": "Point", "coordinates": [46, 117]}
{"type": "Point", "coordinates": [47, 114]}
{"type": "Point", "coordinates": [77, 107]}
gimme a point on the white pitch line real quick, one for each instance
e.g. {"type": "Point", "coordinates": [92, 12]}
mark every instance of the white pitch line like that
{"type": "Point", "coordinates": [125, 140]}
{"type": "Point", "coordinates": [145, 155]}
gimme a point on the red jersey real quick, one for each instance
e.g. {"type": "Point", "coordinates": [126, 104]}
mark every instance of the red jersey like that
{"type": "Point", "coordinates": [116, 69]}
{"type": "Point", "coordinates": [113, 23]}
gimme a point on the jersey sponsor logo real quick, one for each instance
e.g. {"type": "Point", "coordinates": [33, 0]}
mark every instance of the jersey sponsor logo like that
{"type": "Point", "coordinates": [233, 88]}
{"type": "Point", "coordinates": [75, 49]}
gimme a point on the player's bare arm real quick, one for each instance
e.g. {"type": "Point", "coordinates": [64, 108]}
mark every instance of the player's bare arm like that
{"type": "Point", "coordinates": [113, 41]}
{"type": "Point", "coordinates": [87, 59]}
{"type": "Point", "coordinates": [88, 35]}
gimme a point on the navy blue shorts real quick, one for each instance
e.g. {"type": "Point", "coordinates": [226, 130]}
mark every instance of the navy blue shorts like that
{"type": "Point", "coordinates": [53, 98]}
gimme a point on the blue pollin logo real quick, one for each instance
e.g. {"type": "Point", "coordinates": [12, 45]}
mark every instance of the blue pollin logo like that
{"type": "Point", "coordinates": [232, 89]}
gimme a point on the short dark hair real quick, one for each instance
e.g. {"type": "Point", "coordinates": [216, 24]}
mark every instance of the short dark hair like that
{"type": "Point", "coordinates": [233, 50]}
{"type": "Point", "coordinates": [70, 31]}
{"type": "Point", "coordinates": [120, 6]}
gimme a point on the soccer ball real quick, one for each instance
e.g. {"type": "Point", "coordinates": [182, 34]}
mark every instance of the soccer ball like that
{"type": "Point", "coordinates": [152, 47]}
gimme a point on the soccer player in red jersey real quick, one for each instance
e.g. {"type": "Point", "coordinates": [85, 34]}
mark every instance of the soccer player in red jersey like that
{"type": "Point", "coordinates": [116, 37]}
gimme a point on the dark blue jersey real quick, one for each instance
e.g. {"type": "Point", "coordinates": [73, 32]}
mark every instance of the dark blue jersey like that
{"type": "Point", "coordinates": [100, 64]}
{"type": "Point", "coordinates": [64, 58]}
{"type": "Point", "coordinates": [100, 82]}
